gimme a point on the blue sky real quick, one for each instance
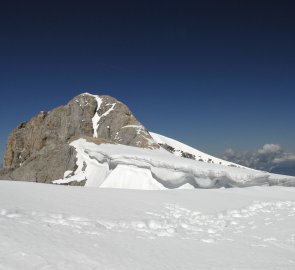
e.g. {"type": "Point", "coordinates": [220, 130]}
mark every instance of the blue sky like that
{"type": "Point", "coordinates": [212, 75]}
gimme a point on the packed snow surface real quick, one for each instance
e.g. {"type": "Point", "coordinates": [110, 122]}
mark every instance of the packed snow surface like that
{"type": "Point", "coordinates": [62, 227]}
{"type": "Point", "coordinates": [121, 166]}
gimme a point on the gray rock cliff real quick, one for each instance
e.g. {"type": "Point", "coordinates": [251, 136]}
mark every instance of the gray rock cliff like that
{"type": "Point", "coordinates": [38, 150]}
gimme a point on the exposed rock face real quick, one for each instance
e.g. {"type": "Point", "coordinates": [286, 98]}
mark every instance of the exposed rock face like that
{"type": "Point", "coordinates": [35, 147]}
{"type": "Point", "coordinates": [119, 125]}
{"type": "Point", "coordinates": [171, 149]}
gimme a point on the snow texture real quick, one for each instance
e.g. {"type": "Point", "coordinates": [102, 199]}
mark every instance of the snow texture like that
{"type": "Point", "coordinates": [121, 166]}
{"type": "Point", "coordinates": [56, 227]}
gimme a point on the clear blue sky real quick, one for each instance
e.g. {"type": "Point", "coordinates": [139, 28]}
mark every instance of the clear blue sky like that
{"type": "Point", "coordinates": [211, 74]}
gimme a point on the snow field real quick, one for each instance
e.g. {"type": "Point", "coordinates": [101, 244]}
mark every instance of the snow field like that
{"type": "Point", "coordinates": [173, 221]}
{"type": "Point", "coordinates": [57, 227]}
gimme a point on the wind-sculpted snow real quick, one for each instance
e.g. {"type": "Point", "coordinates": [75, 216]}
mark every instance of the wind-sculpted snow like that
{"type": "Point", "coordinates": [120, 166]}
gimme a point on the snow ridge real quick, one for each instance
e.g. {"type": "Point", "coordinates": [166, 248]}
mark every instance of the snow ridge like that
{"type": "Point", "coordinates": [88, 169]}
{"type": "Point", "coordinates": [121, 166]}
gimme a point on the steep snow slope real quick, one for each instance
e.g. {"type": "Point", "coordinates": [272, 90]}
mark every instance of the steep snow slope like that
{"type": "Point", "coordinates": [180, 148]}
{"type": "Point", "coordinates": [121, 166]}
{"type": "Point", "coordinates": [53, 227]}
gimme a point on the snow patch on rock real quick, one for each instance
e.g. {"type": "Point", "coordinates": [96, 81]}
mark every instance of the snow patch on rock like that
{"type": "Point", "coordinates": [96, 116]}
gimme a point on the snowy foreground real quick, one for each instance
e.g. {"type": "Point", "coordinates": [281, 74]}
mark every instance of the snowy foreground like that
{"type": "Point", "coordinates": [62, 227]}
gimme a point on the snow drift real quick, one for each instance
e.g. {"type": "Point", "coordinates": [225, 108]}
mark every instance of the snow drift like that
{"type": "Point", "coordinates": [121, 166]}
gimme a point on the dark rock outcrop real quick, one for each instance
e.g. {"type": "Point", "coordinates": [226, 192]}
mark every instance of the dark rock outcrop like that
{"type": "Point", "coordinates": [167, 147]}
{"type": "Point", "coordinates": [38, 150]}
{"type": "Point", "coordinates": [188, 155]}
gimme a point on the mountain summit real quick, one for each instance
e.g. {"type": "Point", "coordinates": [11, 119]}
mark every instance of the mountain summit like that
{"type": "Point", "coordinates": [97, 141]}
{"type": "Point", "coordinates": [38, 150]}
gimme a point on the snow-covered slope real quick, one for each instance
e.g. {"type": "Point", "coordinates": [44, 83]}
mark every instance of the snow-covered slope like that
{"type": "Point", "coordinates": [49, 227]}
{"type": "Point", "coordinates": [121, 166]}
{"type": "Point", "coordinates": [180, 149]}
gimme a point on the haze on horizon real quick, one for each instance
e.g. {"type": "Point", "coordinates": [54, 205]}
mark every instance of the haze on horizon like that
{"type": "Point", "coordinates": [216, 76]}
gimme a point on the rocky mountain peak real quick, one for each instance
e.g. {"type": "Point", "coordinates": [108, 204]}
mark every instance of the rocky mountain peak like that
{"type": "Point", "coordinates": [43, 142]}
